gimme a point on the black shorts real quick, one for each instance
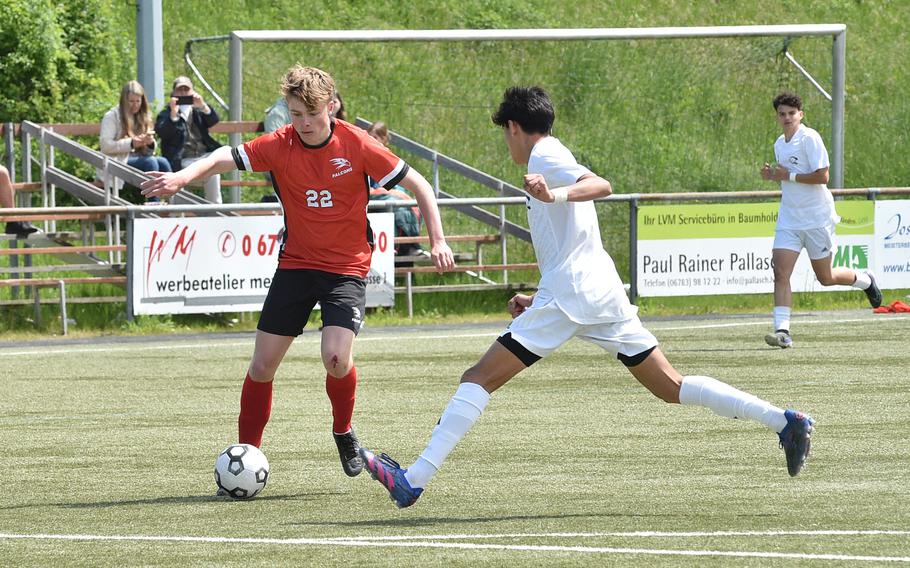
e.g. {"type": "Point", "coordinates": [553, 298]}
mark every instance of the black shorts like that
{"type": "Point", "coordinates": [294, 292]}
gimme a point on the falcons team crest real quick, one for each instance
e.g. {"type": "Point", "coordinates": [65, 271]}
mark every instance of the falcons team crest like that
{"type": "Point", "coordinates": [340, 163]}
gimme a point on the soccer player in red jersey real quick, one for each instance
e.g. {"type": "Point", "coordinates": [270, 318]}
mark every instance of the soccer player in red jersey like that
{"type": "Point", "coordinates": [319, 167]}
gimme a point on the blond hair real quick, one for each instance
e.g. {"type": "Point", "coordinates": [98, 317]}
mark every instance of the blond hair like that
{"type": "Point", "coordinates": [314, 87]}
{"type": "Point", "coordinates": [141, 122]}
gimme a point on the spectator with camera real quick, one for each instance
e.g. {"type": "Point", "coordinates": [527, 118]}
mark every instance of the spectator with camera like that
{"type": "Point", "coordinates": [128, 134]}
{"type": "Point", "coordinates": [184, 130]}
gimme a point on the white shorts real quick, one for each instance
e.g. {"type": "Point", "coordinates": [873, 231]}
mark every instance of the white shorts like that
{"type": "Point", "coordinates": [819, 242]}
{"type": "Point", "coordinates": [542, 329]}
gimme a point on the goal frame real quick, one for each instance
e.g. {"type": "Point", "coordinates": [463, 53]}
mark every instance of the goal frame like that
{"type": "Point", "coordinates": [838, 55]}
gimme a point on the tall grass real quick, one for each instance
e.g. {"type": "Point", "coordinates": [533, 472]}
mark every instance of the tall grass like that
{"type": "Point", "coordinates": [650, 116]}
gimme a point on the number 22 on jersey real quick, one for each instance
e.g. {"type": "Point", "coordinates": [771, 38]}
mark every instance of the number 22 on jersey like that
{"type": "Point", "coordinates": [319, 198]}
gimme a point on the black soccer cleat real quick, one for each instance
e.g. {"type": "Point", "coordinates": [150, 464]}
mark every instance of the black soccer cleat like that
{"type": "Point", "coordinates": [873, 292]}
{"type": "Point", "coordinates": [349, 452]}
{"type": "Point", "coordinates": [795, 440]}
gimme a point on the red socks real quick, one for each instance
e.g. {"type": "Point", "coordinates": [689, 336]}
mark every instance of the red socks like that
{"type": "Point", "coordinates": [341, 393]}
{"type": "Point", "coordinates": [255, 409]}
{"type": "Point", "coordinates": [256, 406]}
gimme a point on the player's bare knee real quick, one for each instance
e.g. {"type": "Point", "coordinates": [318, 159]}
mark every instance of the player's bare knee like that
{"type": "Point", "coordinates": [261, 371]}
{"type": "Point", "coordinates": [336, 366]}
{"type": "Point", "coordinates": [826, 280]}
{"type": "Point", "coordinates": [780, 275]}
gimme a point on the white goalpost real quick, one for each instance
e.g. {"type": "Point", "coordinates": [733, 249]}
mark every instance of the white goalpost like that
{"type": "Point", "coordinates": [836, 31]}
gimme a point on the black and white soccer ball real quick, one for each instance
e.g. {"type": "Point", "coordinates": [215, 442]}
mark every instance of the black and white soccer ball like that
{"type": "Point", "coordinates": [241, 471]}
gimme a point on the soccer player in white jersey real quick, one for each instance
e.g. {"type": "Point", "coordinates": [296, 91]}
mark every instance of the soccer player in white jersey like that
{"type": "Point", "coordinates": [579, 295]}
{"type": "Point", "coordinates": [807, 217]}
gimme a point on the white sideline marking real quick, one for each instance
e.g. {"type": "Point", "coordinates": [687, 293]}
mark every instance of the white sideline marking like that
{"type": "Point", "coordinates": [171, 345]}
{"type": "Point", "coordinates": [797, 322]}
{"type": "Point", "coordinates": [375, 542]}
{"type": "Point", "coordinates": [639, 534]}
{"type": "Point", "coordinates": [123, 348]}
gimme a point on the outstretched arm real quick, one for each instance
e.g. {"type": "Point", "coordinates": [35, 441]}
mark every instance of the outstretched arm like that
{"type": "Point", "coordinates": [164, 184]}
{"type": "Point", "coordinates": [587, 188]}
{"type": "Point", "coordinates": [426, 200]}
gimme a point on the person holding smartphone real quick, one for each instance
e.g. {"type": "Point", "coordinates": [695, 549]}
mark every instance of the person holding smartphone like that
{"type": "Point", "coordinates": [127, 136]}
{"type": "Point", "coordinates": [183, 127]}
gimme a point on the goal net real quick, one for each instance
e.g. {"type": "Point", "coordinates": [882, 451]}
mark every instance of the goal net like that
{"type": "Point", "coordinates": [650, 115]}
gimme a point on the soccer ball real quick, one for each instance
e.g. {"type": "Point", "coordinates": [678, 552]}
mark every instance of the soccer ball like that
{"type": "Point", "coordinates": [241, 471]}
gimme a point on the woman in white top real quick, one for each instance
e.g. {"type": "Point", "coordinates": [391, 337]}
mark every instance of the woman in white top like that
{"type": "Point", "coordinates": [128, 132]}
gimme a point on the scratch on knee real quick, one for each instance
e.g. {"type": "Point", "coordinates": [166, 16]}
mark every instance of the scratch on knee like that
{"type": "Point", "coordinates": [334, 361]}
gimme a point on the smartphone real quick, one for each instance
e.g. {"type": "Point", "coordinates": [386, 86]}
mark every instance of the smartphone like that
{"type": "Point", "coordinates": [185, 100]}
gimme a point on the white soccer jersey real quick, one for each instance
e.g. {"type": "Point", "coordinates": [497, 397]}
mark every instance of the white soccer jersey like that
{"type": "Point", "coordinates": [803, 205]}
{"type": "Point", "coordinates": [575, 269]}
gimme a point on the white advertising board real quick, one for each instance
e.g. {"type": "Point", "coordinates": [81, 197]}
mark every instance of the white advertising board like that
{"type": "Point", "coordinates": [690, 250]}
{"type": "Point", "coordinates": [892, 243]}
{"type": "Point", "coordinates": [190, 265]}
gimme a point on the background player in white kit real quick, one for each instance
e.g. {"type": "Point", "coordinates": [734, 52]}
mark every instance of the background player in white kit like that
{"type": "Point", "coordinates": [580, 294]}
{"type": "Point", "coordinates": [807, 217]}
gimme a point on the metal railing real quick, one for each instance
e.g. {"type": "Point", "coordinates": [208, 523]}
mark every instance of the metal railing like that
{"type": "Point", "coordinates": [633, 200]}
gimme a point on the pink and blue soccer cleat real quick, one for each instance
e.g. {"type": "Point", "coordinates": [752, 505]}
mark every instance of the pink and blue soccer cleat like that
{"type": "Point", "coordinates": [795, 439]}
{"type": "Point", "coordinates": [386, 471]}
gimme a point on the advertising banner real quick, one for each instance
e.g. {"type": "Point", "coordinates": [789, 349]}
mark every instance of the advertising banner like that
{"type": "Point", "coordinates": [188, 265]}
{"type": "Point", "coordinates": [709, 249]}
{"type": "Point", "coordinates": [892, 244]}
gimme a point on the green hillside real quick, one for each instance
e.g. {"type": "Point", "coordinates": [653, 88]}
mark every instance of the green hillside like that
{"type": "Point", "coordinates": [651, 116]}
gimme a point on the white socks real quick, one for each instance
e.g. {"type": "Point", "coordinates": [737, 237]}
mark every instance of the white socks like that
{"type": "Point", "coordinates": [459, 416]}
{"type": "Point", "coordinates": [781, 317]}
{"type": "Point", "coordinates": [470, 400]}
{"type": "Point", "coordinates": [862, 281]}
{"type": "Point", "coordinates": [730, 402]}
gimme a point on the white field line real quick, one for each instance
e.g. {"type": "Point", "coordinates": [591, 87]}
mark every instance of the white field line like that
{"type": "Point", "coordinates": [798, 322]}
{"type": "Point", "coordinates": [636, 534]}
{"type": "Point", "coordinates": [172, 345]}
{"type": "Point", "coordinates": [375, 543]}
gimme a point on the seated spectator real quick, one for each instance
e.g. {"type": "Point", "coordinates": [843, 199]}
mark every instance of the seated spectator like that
{"type": "Point", "coordinates": [128, 135]}
{"type": "Point", "coordinates": [407, 219]}
{"type": "Point", "coordinates": [380, 132]}
{"type": "Point", "coordinates": [19, 228]}
{"type": "Point", "coordinates": [184, 130]}
{"type": "Point", "coordinates": [276, 115]}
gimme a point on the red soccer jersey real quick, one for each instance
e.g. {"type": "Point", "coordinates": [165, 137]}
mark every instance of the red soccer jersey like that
{"type": "Point", "coordinates": [324, 192]}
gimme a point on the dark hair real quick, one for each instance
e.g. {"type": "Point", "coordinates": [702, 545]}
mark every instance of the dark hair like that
{"type": "Point", "coordinates": [530, 107]}
{"type": "Point", "coordinates": [339, 112]}
{"type": "Point", "coordinates": [789, 99]}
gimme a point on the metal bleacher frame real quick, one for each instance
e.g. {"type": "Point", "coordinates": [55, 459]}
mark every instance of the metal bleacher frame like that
{"type": "Point", "coordinates": [54, 137]}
